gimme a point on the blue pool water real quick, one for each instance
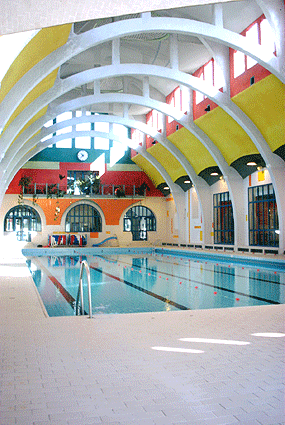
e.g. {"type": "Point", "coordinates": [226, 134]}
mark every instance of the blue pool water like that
{"type": "Point", "coordinates": [161, 281]}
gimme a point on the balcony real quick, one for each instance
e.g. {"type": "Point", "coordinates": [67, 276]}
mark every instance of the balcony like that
{"type": "Point", "coordinates": [39, 190]}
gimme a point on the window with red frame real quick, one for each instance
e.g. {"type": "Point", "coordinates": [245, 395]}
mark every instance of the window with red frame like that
{"type": "Point", "coordinates": [175, 102]}
{"type": "Point", "coordinates": [260, 33]}
{"type": "Point", "coordinates": [211, 74]}
{"type": "Point", "coordinates": [137, 137]}
{"type": "Point", "coordinates": [154, 118]}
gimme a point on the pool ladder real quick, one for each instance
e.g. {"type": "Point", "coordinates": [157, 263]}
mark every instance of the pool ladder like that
{"type": "Point", "coordinates": [80, 310]}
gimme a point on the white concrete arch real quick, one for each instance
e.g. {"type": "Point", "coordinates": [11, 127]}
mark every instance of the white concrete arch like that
{"type": "Point", "coordinates": [79, 43]}
{"type": "Point", "coordinates": [63, 86]}
{"type": "Point", "coordinates": [274, 13]}
{"type": "Point", "coordinates": [26, 152]}
{"type": "Point", "coordinates": [194, 83]}
{"type": "Point", "coordinates": [230, 174]}
{"type": "Point", "coordinates": [181, 78]}
{"type": "Point", "coordinates": [227, 171]}
{"type": "Point", "coordinates": [18, 149]}
{"type": "Point", "coordinates": [160, 72]}
{"type": "Point", "coordinates": [176, 191]}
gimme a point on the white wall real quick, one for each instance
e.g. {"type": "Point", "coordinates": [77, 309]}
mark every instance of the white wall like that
{"type": "Point", "coordinates": [163, 208]}
{"type": "Point", "coordinates": [159, 207]}
{"type": "Point", "coordinates": [196, 224]}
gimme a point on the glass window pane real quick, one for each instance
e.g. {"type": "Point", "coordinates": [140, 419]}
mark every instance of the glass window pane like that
{"type": "Point", "coordinates": [83, 142]}
{"type": "Point", "coordinates": [101, 143]}
{"type": "Point", "coordinates": [208, 72]}
{"type": "Point", "coordinates": [267, 36]}
{"type": "Point", "coordinates": [48, 123]}
{"type": "Point", "coordinates": [239, 63]}
{"type": "Point", "coordinates": [84, 126]}
{"type": "Point", "coordinates": [65, 143]}
{"type": "Point", "coordinates": [102, 127]}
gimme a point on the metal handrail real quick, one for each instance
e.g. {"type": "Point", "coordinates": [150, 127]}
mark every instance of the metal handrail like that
{"type": "Point", "coordinates": [80, 288]}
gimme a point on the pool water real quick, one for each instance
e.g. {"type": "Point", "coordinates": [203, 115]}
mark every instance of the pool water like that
{"type": "Point", "coordinates": [136, 283]}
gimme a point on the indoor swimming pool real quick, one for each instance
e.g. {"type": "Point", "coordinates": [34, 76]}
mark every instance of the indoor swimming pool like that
{"type": "Point", "coordinates": [157, 281]}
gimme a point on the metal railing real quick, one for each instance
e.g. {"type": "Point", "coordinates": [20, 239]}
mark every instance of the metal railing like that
{"type": "Point", "coordinates": [103, 190]}
{"type": "Point", "coordinates": [85, 265]}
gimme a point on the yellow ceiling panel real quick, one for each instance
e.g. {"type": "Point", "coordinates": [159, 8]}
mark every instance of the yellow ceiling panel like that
{"type": "Point", "coordinates": [168, 161]}
{"type": "Point", "coordinates": [226, 134]}
{"type": "Point", "coordinates": [149, 169]}
{"type": "Point", "coordinates": [42, 87]}
{"type": "Point", "coordinates": [45, 41]}
{"type": "Point", "coordinates": [264, 103]}
{"type": "Point", "coordinates": [194, 151]}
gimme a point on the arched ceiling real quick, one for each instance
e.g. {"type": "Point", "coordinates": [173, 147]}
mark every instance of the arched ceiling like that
{"type": "Point", "coordinates": [26, 15]}
{"type": "Point", "coordinates": [137, 60]}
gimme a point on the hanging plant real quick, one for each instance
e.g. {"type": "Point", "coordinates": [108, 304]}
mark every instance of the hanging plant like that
{"type": "Point", "coordinates": [24, 184]}
{"type": "Point", "coordinates": [57, 211]}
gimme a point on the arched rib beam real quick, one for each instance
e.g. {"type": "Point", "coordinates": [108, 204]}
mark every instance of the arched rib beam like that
{"type": "Point", "coordinates": [181, 78]}
{"type": "Point", "coordinates": [27, 151]}
{"type": "Point", "coordinates": [177, 193]}
{"type": "Point", "coordinates": [274, 13]}
{"type": "Point", "coordinates": [231, 176]}
{"type": "Point", "coordinates": [62, 87]}
{"type": "Point", "coordinates": [79, 43]}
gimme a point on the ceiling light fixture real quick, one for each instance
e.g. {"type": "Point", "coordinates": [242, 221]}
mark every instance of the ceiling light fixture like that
{"type": "Point", "coordinates": [187, 181]}
{"type": "Point", "coordinates": [214, 174]}
{"type": "Point", "coordinates": [251, 163]}
{"type": "Point", "coordinates": [166, 188]}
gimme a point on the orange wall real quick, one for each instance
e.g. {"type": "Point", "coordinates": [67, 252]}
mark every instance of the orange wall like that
{"type": "Point", "coordinates": [112, 208]}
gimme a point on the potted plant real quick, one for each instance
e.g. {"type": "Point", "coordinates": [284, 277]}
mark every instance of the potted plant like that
{"type": "Point", "coordinates": [24, 183]}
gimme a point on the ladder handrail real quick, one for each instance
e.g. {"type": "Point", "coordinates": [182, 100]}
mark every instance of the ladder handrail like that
{"type": "Point", "coordinates": [85, 265]}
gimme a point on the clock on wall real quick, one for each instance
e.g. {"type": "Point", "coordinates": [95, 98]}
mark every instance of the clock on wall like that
{"type": "Point", "coordinates": [82, 155]}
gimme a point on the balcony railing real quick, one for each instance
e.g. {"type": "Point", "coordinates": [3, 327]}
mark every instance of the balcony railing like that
{"type": "Point", "coordinates": [72, 190]}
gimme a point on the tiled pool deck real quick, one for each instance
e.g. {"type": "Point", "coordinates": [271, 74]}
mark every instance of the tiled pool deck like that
{"type": "Point", "coordinates": [80, 371]}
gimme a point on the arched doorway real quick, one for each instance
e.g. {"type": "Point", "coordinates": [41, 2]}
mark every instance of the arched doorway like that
{"type": "Point", "coordinates": [139, 220]}
{"type": "Point", "coordinates": [22, 220]}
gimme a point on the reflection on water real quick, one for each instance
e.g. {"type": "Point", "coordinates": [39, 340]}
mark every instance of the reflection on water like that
{"type": "Point", "coordinates": [143, 283]}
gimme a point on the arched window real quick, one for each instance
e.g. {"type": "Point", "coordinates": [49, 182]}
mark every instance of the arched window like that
{"type": "Point", "coordinates": [23, 220]}
{"type": "Point", "coordinates": [139, 220]}
{"type": "Point", "coordinates": [83, 218]}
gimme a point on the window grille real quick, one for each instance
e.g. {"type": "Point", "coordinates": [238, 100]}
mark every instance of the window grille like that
{"type": "Point", "coordinates": [83, 218]}
{"type": "Point", "coordinates": [262, 216]}
{"type": "Point", "coordinates": [223, 219]}
{"type": "Point", "coordinates": [139, 220]}
{"type": "Point", "coordinates": [23, 220]}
